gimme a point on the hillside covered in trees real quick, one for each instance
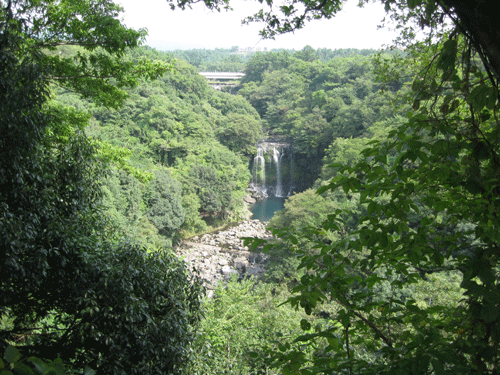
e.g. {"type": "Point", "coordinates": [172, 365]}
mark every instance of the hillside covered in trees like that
{"type": "Point", "coordinates": [384, 258]}
{"type": "Point", "coordinates": [200, 142]}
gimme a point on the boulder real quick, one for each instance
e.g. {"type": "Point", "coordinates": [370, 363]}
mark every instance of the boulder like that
{"type": "Point", "coordinates": [211, 254]}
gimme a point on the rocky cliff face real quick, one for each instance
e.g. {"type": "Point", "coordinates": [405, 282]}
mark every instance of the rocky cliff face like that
{"type": "Point", "coordinates": [218, 255]}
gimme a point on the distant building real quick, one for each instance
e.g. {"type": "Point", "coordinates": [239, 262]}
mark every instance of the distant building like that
{"type": "Point", "coordinates": [244, 51]}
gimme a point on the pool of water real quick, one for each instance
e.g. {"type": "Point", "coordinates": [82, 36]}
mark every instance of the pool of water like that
{"type": "Point", "coordinates": [265, 209]}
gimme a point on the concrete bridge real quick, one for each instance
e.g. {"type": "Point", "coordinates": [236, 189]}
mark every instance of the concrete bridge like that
{"type": "Point", "coordinates": [219, 80]}
{"type": "Point", "coordinates": [219, 76]}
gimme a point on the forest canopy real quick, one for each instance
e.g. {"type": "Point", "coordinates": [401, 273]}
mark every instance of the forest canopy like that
{"type": "Point", "coordinates": [73, 295]}
{"type": "Point", "coordinates": [389, 250]}
{"type": "Point", "coordinates": [427, 204]}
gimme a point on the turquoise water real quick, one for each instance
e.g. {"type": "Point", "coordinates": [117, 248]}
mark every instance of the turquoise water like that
{"type": "Point", "coordinates": [265, 209]}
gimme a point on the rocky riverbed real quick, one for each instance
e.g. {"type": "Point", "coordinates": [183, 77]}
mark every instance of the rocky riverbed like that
{"type": "Point", "coordinates": [219, 254]}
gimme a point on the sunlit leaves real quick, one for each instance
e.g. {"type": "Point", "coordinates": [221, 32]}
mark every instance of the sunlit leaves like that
{"type": "Point", "coordinates": [428, 199]}
{"type": "Point", "coordinates": [245, 317]}
{"type": "Point", "coordinates": [66, 287]}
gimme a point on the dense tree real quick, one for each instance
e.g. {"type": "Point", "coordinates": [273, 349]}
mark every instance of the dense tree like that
{"type": "Point", "coordinates": [181, 125]}
{"type": "Point", "coordinates": [445, 153]}
{"type": "Point", "coordinates": [214, 191]}
{"type": "Point", "coordinates": [218, 60]}
{"type": "Point", "coordinates": [164, 207]}
{"type": "Point", "coordinates": [311, 103]}
{"type": "Point", "coordinates": [68, 287]}
{"type": "Point", "coordinates": [124, 204]}
{"type": "Point", "coordinates": [240, 133]}
{"type": "Point", "coordinates": [241, 318]}
{"type": "Point", "coordinates": [302, 210]}
{"type": "Point", "coordinates": [446, 172]}
{"type": "Point", "coordinates": [262, 62]}
{"type": "Point", "coordinates": [307, 54]}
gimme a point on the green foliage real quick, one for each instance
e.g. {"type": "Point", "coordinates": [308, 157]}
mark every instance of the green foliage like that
{"type": "Point", "coordinates": [164, 207]}
{"type": "Point", "coordinates": [150, 296]}
{"type": "Point", "coordinates": [240, 318]}
{"type": "Point", "coordinates": [218, 60]}
{"type": "Point", "coordinates": [429, 197]}
{"type": "Point", "coordinates": [118, 157]}
{"type": "Point", "coordinates": [310, 103]}
{"type": "Point", "coordinates": [307, 54]}
{"type": "Point", "coordinates": [124, 202]}
{"type": "Point", "coordinates": [262, 62]}
{"type": "Point", "coordinates": [14, 363]}
{"type": "Point", "coordinates": [429, 191]}
{"type": "Point", "coordinates": [303, 210]}
{"type": "Point", "coordinates": [345, 152]}
{"type": "Point", "coordinates": [178, 122]}
{"type": "Point", "coordinates": [214, 192]}
{"type": "Point", "coordinates": [97, 71]}
{"type": "Point", "coordinates": [71, 290]}
{"type": "Point", "coordinates": [240, 133]}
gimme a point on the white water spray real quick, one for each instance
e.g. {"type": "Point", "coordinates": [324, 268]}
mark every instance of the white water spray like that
{"type": "Point", "coordinates": [277, 161]}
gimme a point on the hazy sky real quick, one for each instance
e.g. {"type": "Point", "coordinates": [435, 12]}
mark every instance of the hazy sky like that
{"type": "Point", "coordinates": [353, 27]}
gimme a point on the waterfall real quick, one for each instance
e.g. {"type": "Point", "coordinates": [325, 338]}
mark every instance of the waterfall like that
{"type": "Point", "coordinates": [259, 174]}
{"type": "Point", "coordinates": [278, 192]}
{"type": "Point", "coordinates": [290, 182]}
{"type": "Point", "coordinates": [276, 178]}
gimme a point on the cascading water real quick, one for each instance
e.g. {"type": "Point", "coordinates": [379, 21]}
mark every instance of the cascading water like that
{"type": "Point", "coordinates": [278, 191]}
{"type": "Point", "coordinates": [272, 178]}
{"type": "Point", "coordinates": [291, 174]}
{"type": "Point", "coordinates": [259, 174]}
{"type": "Point", "coordinates": [272, 170]}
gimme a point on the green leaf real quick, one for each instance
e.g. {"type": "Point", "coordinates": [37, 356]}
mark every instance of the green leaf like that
{"type": "Point", "coordinates": [253, 354]}
{"type": "Point", "coordinates": [253, 242]}
{"type": "Point", "coordinates": [305, 325]}
{"type": "Point", "coordinates": [437, 366]}
{"type": "Point", "coordinates": [384, 240]}
{"type": "Point", "coordinates": [412, 4]}
{"type": "Point", "coordinates": [483, 96]}
{"type": "Point", "coordinates": [12, 354]}
{"type": "Point", "coordinates": [328, 260]}
{"type": "Point", "coordinates": [371, 207]}
{"type": "Point", "coordinates": [447, 59]}
{"type": "Point", "coordinates": [489, 312]}
{"type": "Point", "coordinates": [23, 369]}
{"type": "Point", "coordinates": [40, 365]}
{"type": "Point", "coordinates": [481, 150]}
{"type": "Point", "coordinates": [323, 189]}
{"type": "Point", "coordinates": [473, 186]}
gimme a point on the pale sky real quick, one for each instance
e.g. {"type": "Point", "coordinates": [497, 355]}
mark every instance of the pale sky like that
{"type": "Point", "coordinates": [353, 27]}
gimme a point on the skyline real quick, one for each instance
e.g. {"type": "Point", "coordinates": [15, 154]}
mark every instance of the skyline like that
{"type": "Point", "coordinates": [199, 27]}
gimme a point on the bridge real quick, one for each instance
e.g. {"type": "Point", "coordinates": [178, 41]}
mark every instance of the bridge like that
{"type": "Point", "coordinates": [218, 80]}
{"type": "Point", "coordinates": [219, 76]}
